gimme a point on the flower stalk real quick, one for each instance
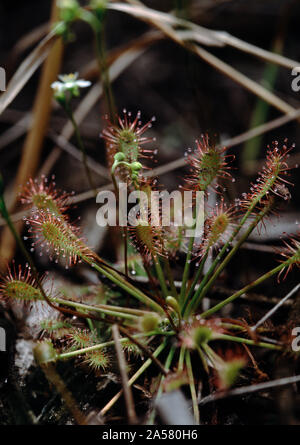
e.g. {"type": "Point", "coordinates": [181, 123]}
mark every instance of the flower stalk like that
{"type": "Point", "coordinates": [250, 286]}
{"type": "Point", "coordinates": [202, 291]}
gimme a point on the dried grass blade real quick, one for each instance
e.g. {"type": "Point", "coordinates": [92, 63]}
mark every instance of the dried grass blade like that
{"type": "Point", "coordinates": [26, 70]}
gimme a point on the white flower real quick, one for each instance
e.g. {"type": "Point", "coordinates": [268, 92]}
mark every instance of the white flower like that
{"type": "Point", "coordinates": [69, 82]}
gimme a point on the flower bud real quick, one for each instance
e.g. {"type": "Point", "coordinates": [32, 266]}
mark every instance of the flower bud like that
{"type": "Point", "coordinates": [119, 157]}
{"type": "Point", "coordinates": [136, 166]}
{"type": "Point", "coordinates": [149, 322]}
{"type": "Point", "coordinates": [69, 10]}
{"type": "Point", "coordinates": [171, 301]}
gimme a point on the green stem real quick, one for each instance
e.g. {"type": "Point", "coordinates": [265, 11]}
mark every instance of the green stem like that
{"type": "Point", "coordinates": [170, 277]}
{"type": "Point", "coordinates": [232, 326]}
{"type": "Point", "coordinates": [90, 324]}
{"type": "Point", "coordinates": [186, 270]}
{"type": "Point", "coordinates": [139, 372]}
{"type": "Point", "coordinates": [97, 21]}
{"type": "Point", "coordinates": [181, 358]}
{"type": "Point", "coordinates": [71, 354]}
{"type": "Point", "coordinates": [160, 276]}
{"type": "Point", "coordinates": [203, 359]}
{"type": "Point", "coordinates": [246, 341]}
{"type": "Point", "coordinates": [104, 73]}
{"type": "Point", "coordinates": [86, 307]}
{"type": "Point", "coordinates": [128, 310]}
{"type": "Point", "coordinates": [245, 289]}
{"type": "Point", "coordinates": [117, 279]}
{"type": "Point", "coordinates": [268, 185]}
{"type": "Point", "coordinates": [216, 360]}
{"type": "Point", "coordinates": [192, 387]}
{"type": "Point", "coordinates": [196, 279]}
{"type": "Point", "coordinates": [116, 164]}
{"type": "Point", "coordinates": [160, 388]}
{"type": "Point", "coordinates": [200, 295]}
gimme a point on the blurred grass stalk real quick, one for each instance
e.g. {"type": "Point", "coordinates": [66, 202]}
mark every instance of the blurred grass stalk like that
{"type": "Point", "coordinates": [251, 148]}
{"type": "Point", "coordinates": [35, 138]}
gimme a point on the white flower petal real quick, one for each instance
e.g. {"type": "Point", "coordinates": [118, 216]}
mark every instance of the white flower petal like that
{"type": "Point", "coordinates": [83, 83]}
{"type": "Point", "coordinates": [69, 85]}
{"type": "Point", "coordinates": [57, 86]}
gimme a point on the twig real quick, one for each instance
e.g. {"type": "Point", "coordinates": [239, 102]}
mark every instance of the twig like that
{"type": "Point", "coordinates": [34, 141]}
{"type": "Point", "coordinates": [27, 69]}
{"type": "Point", "coordinates": [275, 308]}
{"type": "Point", "coordinates": [160, 388]}
{"type": "Point", "coordinates": [69, 148]}
{"type": "Point", "coordinates": [132, 419]}
{"type": "Point", "coordinates": [181, 162]}
{"type": "Point", "coordinates": [86, 350]}
{"type": "Point", "coordinates": [250, 389]}
{"type": "Point", "coordinates": [201, 34]}
{"type": "Point", "coordinates": [163, 21]}
{"type": "Point", "coordinates": [28, 40]}
{"type": "Point", "coordinates": [139, 372]}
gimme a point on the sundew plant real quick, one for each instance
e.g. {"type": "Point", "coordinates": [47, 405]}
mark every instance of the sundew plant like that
{"type": "Point", "coordinates": [160, 321]}
{"type": "Point", "coordinates": [155, 318]}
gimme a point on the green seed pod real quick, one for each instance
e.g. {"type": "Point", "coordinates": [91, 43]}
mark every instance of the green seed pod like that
{"type": "Point", "coordinates": [136, 166]}
{"type": "Point", "coordinates": [69, 10]}
{"type": "Point", "coordinates": [171, 301]}
{"type": "Point", "coordinates": [119, 157]}
{"type": "Point", "coordinates": [149, 322]}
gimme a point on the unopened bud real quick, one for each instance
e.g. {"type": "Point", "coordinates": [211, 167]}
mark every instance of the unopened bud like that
{"type": "Point", "coordinates": [149, 322]}
{"type": "Point", "coordinates": [119, 157]}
